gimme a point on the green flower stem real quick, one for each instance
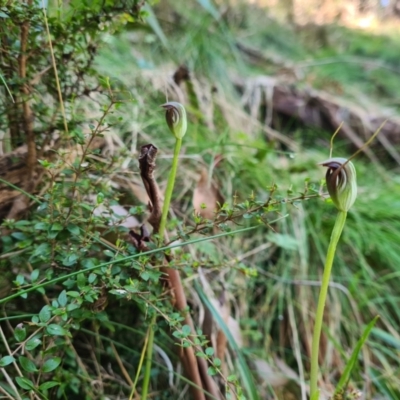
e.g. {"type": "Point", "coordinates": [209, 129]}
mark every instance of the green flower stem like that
{"type": "Point", "coordinates": [336, 232]}
{"type": "Point", "coordinates": [163, 223]}
{"type": "Point", "coordinates": [170, 188]}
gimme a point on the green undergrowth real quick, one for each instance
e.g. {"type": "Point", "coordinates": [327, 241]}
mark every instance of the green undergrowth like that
{"type": "Point", "coordinates": [355, 62]}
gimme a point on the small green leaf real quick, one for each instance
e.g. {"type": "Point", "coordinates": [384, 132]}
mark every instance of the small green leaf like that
{"type": "Point", "coordinates": [62, 299]}
{"type": "Point", "coordinates": [70, 259]}
{"type": "Point", "coordinates": [24, 244]}
{"type": "Point", "coordinates": [20, 333]}
{"type": "Point", "coordinates": [73, 294]}
{"type": "Point", "coordinates": [51, 364]}
{"type": "Point", "coordinates": [32, 343]}
{"type": "Point", "coordinates": [100, 198]}
{"type": "Point", "coordinates": [133, 287]}
{"type": "Point", "coordinates": [41, 290]}
{"type": "Point", "coordinates": [41, 226]}
{"type": "Point", "coordinates": [6, 360]}
{"type": "Point", "coordinates": [74, 229]}
{"type": "Point", "coordinates": [89, 262]}
{"type": "Point", "coordinates": [42, 250]}
{"type": "Point", "coordinates": [19, 236]}
{"type": "Point", "coordinates": [81, 281]}
{"type": "Point", "coordinates": [56, 227]}
{"type": "Point", "coordinates": [145, 276]}
{"type": "Point", "coordinates": [108, 253]}
{"type": "Point", "coordinates": [212, 371]}
{"type": "Point", "coordinates": [22, 223]}
{"type": "Point", "coordinates": [210, 351]}
{"type": "Point", "coordinates": [56, 330]}
{"type": "Point", "coordinates": [45, 314]}
{"type": "Point", "coordinates": [154, 275]}
{"type": "Point", "coordinates": [26, 364]}
{"type": "Point", "coordinates": [25, 383]}
{"type": "Point", "coordinates": [20, 280]}
{"type": "Point", "coordinates": [34, 275]}
{"type": "Point", "coordinates": [177, 334]}
{"type": "Point", "coordinates": [48, 385]}
{"type": "Point", "coordinates": [186, 331]}
{"type": "Point", "coordinates": [72, 307]}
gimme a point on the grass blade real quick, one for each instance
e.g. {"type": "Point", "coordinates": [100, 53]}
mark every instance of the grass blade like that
{"type": "Point", "coordinates": [7, 88]}
{"type": "Point", "coordinates": [354, 356]}
{"type": "Point", "coordinates": [246, 375]}
{"type": "Point", "coordinates": [152, 20]}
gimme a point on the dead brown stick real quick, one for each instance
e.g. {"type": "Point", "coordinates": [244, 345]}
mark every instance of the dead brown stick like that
{"type": "Point", "coordinates": [147, 163]}
{"type": "Point", "coordinates": [198, 365]}
{"type": "Point", "coordinates": [196, 369]}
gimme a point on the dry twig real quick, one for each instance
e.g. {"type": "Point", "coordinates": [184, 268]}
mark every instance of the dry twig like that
{"type": "Point", "coordinates": [196, 368]}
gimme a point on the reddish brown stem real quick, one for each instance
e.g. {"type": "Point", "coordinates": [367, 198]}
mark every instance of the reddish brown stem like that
{"type": "Point", "coordinates": [198, 366]}
{"type": "Point", "coordinates": [27, 111]}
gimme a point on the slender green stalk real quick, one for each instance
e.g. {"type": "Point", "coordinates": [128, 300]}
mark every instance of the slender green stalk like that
{"type": "Point", "coordinates": [35, 199]}
{"type": "Point", "coordinates": [149, 357]}
{"type": "Point", "coordinates": [145, 350]}
{"type": "Point", "coordinates": [336, 232]}
{"type": "Point", "coordinates": [163, 223]}
{"type": "Point", "coordinates": [169, 189]}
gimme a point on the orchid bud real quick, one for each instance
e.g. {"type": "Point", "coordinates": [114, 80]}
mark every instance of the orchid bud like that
{"type": "Point", "coordinates": [176, 118]}
{"type": "Point", "coordinates": [341, 182]}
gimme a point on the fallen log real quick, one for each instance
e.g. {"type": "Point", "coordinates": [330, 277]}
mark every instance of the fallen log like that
{"type": "Point", "coordinates": [268, 96]}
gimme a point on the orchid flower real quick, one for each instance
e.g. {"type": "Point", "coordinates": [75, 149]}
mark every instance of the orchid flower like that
{"type": "Point", "coordinates": [341, 182]}
{"type": "Point", "coordinates": [176, 118]}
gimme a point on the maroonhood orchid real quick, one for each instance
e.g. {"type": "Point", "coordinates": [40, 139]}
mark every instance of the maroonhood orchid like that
{"type": "Point", "coordinates": [176, 118]}
{"type": "Point", "coordinates": [342, 187]}
{"type": "Point", "coordinates": [341, 182]}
